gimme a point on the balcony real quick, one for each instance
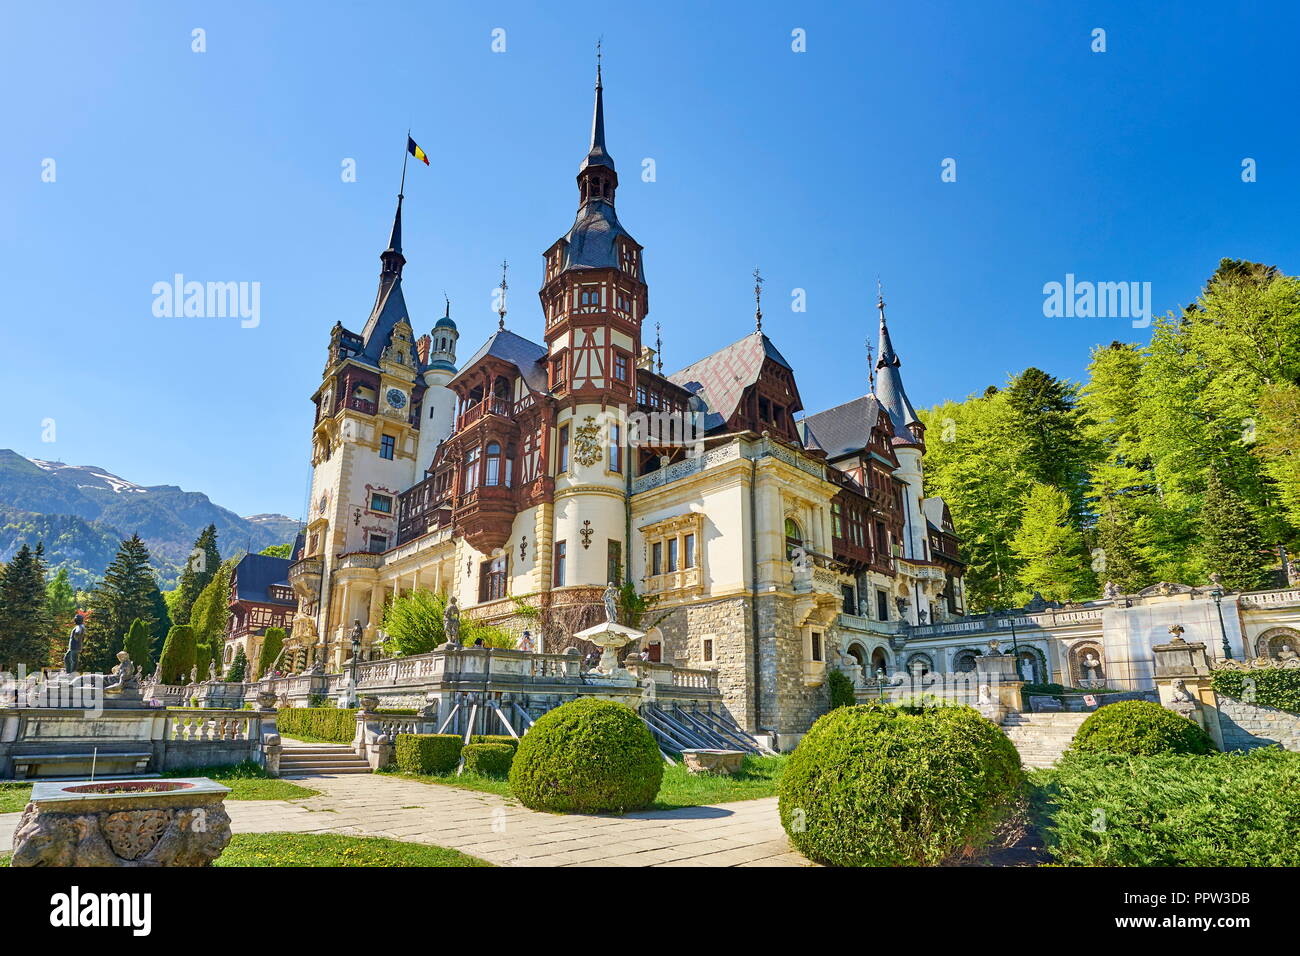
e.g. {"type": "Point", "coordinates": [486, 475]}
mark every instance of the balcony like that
{"type": "Point", "coordinates": [363, 560]}
{"type": "Point", "coordinates": [499, 407]}
{"type": "Point", "coordinates": [685, 580]}
{"type": "Point", "coordinates": [422, 508]}
{"type": "Point", "coordinates": [305, 576]}
{"type": "Point", "coordinates": [485, 515]}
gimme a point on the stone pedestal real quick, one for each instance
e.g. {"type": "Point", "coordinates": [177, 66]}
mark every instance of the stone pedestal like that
{"type": "Point", "coordinates": [713, 761]}
{"type": "Point", "coordinates": [1183, 682]}
{"type": "Point", "coordinates": [999, 686]}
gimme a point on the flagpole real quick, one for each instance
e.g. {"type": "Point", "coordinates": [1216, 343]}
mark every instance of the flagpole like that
{"type": "Point", "coordinates": [406, 151]}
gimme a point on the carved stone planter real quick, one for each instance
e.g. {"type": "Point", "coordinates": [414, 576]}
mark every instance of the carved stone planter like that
{"type": "Point", "coordinates": [174, 822]}
{"type": "Point", "coordinates": [713, 761]}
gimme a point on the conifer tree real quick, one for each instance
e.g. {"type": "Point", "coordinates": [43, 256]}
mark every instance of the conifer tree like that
{"type": "Point", "coordinates": [209, 617]}
{"type": "Point", "coordinates": [238, 667]}
{"type": "Point", "coordinates": [24, 617]}
{"type": "Point", "coordinates": [177, 655]}
{"type": "Point", "coordinates": [128, 591]}
{"type": "Point", "coordinates": [139, 645]}
{"type": "Point", "coordinates": [1230, 540]}
{"type": "Point", "coordinates": [1117, 558]}
{"type": "Point", "coordinates": [272, 643]}
{"type": "Point", "coordinates": [202, 565]}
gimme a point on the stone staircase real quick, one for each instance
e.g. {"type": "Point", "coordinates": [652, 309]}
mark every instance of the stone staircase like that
{"type": "Point", "coordinates": [306, 760]}
{"type": "Point", "coordinates": [1041, 738]}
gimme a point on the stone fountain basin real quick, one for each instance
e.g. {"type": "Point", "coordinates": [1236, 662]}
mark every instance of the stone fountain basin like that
{"type": "Point", "coordinates": [179, 821]}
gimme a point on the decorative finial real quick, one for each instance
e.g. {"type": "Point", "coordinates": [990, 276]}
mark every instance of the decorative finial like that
{"type": "Point", "coordinates": [758, 300]}
{"type": "Point", "coordinates": [501, 303]}
{"type": "Point", "coordinates": [598, 39]}
{"type": "Point", "coordinates": [446, 313]}
{"type": "Point", "coordinates": [659, 349]}
{"type": "Point", "coordinates": [880, 297]}
{"type": "Point", "coordinates": [871, 366]}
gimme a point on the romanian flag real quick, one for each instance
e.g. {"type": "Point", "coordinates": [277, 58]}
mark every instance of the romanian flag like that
{"type": "Point", "coordinates": [415, 151]}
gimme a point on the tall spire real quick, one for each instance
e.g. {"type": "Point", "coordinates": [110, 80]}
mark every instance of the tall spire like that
{"type": "Point", "coordinates": [598, 155]}
{"type": "Point", "coordinates": [392, 257]}
{"type": "Point", "coordinates": [887, 355]}
{"type": "Point", "coordinates": [888, 387]}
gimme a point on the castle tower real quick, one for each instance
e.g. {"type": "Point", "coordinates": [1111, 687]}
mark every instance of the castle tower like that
{"type": "Point", "coordinates": [365, 443]}
{"type": "Point", "coordinates": [438, 413]}
{"type": "Point", "coordinates": [594, 299]}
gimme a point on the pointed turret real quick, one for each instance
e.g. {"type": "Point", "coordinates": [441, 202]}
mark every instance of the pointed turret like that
{"type": "Point", "coordinates": [598, 155]}
{"type": "Point", "coordinates": [390, 305]}
{"type": "Point", "coordinates": [889, 391]}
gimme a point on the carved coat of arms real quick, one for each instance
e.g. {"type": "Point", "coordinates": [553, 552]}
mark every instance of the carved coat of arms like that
{"type": "Point", "coordinates": [586, 443]}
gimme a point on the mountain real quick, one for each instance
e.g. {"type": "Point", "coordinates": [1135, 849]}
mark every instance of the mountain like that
{"type": "Point", "coordinates": [75, 509]}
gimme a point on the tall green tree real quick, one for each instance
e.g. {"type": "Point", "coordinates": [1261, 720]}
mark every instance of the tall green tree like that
{"type": "Point", "coordinates": [24, 612]}
{"type": "Point", "coordinates": [1050, 549]}
{"type": "Point", "coordinates": [199, 570]}
{"type": "Point", "coordinates": [129, 590]}
{"type": "Point", "coordinates": [1230, 538]}
{"type": "Point", "coordinates": [272, 642]}
{"type": "Point", "coordinates": [238, 667]}
{"type": "Point", "coordinates": [139, 645]}
{"type": "Point", "coordinates": [209, 618]}
{"type": "Point", "coordinates": [1056, 451]}
{"type": "Point", "coordinates": [177, 658]}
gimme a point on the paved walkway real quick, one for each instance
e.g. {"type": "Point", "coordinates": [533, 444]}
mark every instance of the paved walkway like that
{"type": "Point", "coordinates": [746, 833]}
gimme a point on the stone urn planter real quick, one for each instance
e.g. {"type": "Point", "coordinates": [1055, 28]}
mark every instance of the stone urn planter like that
{"type": "Point", "coordinates": [713, 761]}
{"type": "Point", "coordinates": [174, 822]}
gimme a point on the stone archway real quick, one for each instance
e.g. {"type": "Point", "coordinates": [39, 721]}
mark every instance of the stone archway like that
{"type": "Point", "coordinates": [963, 662]}
{"type": "Point", "coordinates": [920, 663]}
{"type": "Point", "coordinates": [857, 653]}
{"type": "Point", "coordinates": [1271, 642]}
{"type": "Point", "coordinates": [1032, 665]}
{"type": "Point", "coordinates": [879, 662]}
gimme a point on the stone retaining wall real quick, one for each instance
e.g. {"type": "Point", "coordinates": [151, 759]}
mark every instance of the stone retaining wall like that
{"type": "Point", "coordinates": [1246, 726]}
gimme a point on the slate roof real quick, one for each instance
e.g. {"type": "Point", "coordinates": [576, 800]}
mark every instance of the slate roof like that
{"type": "Point", "coordinates": [256, 573]}
{"type": "Point", "coordinates": [721, 378]}
{"type": "Point", "coordinates": [590, 241]}
{"type": "Point", "coordinates": [843, 429]}
{"type": "Point", "coordinates": [528, 357]}
{"type": "Point", "coordinates": [889, 389]}
{"type": "Point", "coordinates": [598, 155]}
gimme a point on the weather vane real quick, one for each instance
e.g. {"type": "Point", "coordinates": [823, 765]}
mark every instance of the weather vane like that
{"type": "Point", "coordinates": [659, 349]}
{"type": "Point", "coordinates": [501, 302]}
{"type": "Point", "coordinates": [758, 300]}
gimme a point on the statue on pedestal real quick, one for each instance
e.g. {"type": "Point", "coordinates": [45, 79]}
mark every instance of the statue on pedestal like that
{"type": "Point", "coordinates": [610, 598]}
{"type": "Point", "coordinates": [125, 679]}
{"type": "Point", "coordinates": [74, 644]}
{"type": "Point", "coordinates": [451, 622]}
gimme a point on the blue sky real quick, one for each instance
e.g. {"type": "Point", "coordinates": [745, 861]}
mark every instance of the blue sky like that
{"type": "Point", "coordinates": [823, 167]}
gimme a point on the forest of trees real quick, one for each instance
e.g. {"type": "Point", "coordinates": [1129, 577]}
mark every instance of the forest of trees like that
{"type": "Point", "coordinates": [1170, 462]}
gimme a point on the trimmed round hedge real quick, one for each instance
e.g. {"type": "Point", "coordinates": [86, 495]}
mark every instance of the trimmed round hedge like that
{"type": "Point", "coordinates": [878, 786]}
{"type": "Point", "coordinates": [1142, 728]}
{"type": "Point", "coordinates": [587, 756]}
{"type": "Point", "coordinates": [427, 753]}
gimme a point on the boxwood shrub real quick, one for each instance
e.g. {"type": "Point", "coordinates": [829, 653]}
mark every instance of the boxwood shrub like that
{"type": "Point", "coordinates": [587, 756]}
{"type": "Point", "coordinates": [1140, 728]}
{"type": "Point", "coordinates": [488, 760]}
{"type": "Point", "coordinates": [493, 739]}
{"type": "Point", "coordinates": [427, 753]}
{"type": "Point", "coordinates": [320, 723]}
{"type": "Point", "coordinates": [879, 786]}
{"type": "Point", "coordinates": [1279, 688]}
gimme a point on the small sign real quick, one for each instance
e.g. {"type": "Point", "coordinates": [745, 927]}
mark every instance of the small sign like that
{"type": "Point", "coordinates": [1090, 700]}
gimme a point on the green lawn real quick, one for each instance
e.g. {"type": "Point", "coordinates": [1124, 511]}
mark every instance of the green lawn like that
{"type": "Point", "coordinates": [246, 781]}
{"type": "Point", "coordinates": [758, 777]}
{"type": "Point", "coordinates": [328, 849]}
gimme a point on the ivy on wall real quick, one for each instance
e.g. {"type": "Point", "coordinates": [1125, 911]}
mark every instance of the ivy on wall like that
{"type": "Point", "coordinates": [1269, 687]}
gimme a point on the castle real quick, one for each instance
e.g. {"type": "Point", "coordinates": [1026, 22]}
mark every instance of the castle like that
{"type": "Point", "coordinates": [534, 473]}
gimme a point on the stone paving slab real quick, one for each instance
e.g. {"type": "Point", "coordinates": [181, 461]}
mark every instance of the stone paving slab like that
{"type": "Point", "coordinates": [745, 833]}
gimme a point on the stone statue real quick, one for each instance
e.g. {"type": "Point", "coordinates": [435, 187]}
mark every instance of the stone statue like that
{"type": "Point", "coordinates": [611, 604]}
{"type": "Point", "coordinates": [74, 644]}
{"type": "Point", "coordinates": [212, 672]}
{"type": "Point", "coordinates": [451, 622]}
{"type": "Point", "coordinates": [125, 679]}
{"type": "Point", "coordinates": [1110, 591]}
{"type": "Point", "coordinates": [357, 631]}
{"type": "Point", "coordinates": [194, 674]}
{"type": "Point", "coordinates": [1285, 653]}
{"type": "Point", "coordinates": [1181, 695]}
{"type": "Point", "coordinates": [1091, 667]}
{"type": "Point", "coordinates": [994, 646]}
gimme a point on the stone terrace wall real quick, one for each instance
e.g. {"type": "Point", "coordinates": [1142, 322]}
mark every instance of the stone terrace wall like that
{"type": "Point", "coordinates": [1246, 726]}
{"type": "Point", "coordinates": [727, 622]}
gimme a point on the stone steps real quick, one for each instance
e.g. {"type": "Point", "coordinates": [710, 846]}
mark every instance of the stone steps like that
{"type": "Point", "coordinates": [320, 759]}
{"type": "Point", "coordinates": [1041, 738]}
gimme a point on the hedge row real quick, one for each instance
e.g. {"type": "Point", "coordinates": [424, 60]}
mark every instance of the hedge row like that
{"type": "Point", "coordinates": [1278, 688]}
{"type": "Point", "coordinates": [488, 760]}
{"type": "Point", "coordinates": [427, 753]}
{"type": "Point", "coordinates": [1231, 809]}
{"type": "Point", "coordinates": [321, 723]}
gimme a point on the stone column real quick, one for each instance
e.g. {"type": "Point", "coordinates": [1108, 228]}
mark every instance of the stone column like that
{"type": "Point", "coordinates": [1183, 682]}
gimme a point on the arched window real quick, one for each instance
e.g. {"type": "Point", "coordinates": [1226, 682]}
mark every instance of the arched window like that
{"type": "Point", "coordinates": [793, 538]}
{"type": "Point", "coordinates": [492, 471]}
